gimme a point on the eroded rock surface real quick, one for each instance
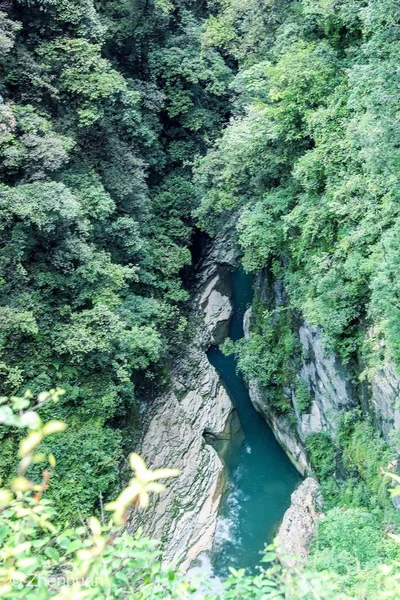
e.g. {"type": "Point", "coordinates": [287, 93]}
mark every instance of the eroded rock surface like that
{"type": "Point", "coordinates": [331, 386]}
{"type": "Point", "coordinates": [283, 429]}
{"type": "Point", "coordinates": [385, 401]}
{"type": "Point", "coordinates": [298, 526]}
{"type": "Point", "coordinates": [184, 516]}
{"type": "Point", "coordinates": [217, 309]}
{"type": "Point", "coordinates": [328, 383]}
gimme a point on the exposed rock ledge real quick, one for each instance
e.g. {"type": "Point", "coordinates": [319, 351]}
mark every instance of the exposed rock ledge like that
{"type": "Point", "coordinates": [184, 516]}
{"type": "Point", "coordinates": [331, 394]}
{"type": "Point", "coordinates": [298, 526]}
{"type": "Point", "coordinates": [282, 428]}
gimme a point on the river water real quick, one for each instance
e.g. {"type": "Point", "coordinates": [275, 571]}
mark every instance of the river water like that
{"type": "Point", "coordinates": [260, 476]}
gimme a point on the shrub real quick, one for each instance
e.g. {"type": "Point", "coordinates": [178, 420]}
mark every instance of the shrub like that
{"type": "Point", "coordinates": [303, 396]}
{"type": "Point", "coordinates": [322, 454]}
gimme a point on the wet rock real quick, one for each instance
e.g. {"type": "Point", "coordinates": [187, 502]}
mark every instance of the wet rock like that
{"type": "Point", "coordinates": [184, 516]}
{"type": "Point", "coordinates": [283, 429]}
{"type": "Point", "coordinates": [298, 526]}
{"type": "Point", "coordinates": [246, 322]}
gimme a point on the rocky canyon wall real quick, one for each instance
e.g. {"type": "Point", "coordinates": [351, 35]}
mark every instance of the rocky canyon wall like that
{"type": "Point", "coordinates": [332, 387]}
{"type": "Point", "coordinates": [179, 423]}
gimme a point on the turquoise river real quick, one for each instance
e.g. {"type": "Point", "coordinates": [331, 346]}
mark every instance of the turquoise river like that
{"type": "Point", "coordinates": [260, 476]}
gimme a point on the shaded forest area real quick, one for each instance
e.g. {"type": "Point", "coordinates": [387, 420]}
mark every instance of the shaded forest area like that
{"type": "Point", "coordinates": [104, 106]}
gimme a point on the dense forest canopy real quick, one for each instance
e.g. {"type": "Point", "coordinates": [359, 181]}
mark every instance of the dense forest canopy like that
{"type": "Point", "coordinates": [104, 106]}
{"type": "Point", "coordinates": [309, 166]}
{"type": "Point", "coordinates": [311, 160]}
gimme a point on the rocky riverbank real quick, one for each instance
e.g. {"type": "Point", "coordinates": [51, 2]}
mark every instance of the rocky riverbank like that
{"type": "Point", "coordinates": [331, 386]}
{"type": "Point", "coordinates": [196, 409]}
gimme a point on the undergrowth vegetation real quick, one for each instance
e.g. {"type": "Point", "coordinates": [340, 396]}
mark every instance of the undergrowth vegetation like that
{"type": "Point", "coordinates": [309, 161]}
{"type": "Point", "coordinates": [103, 107]}
{"type": "Point", "coordinates": [41, 558]}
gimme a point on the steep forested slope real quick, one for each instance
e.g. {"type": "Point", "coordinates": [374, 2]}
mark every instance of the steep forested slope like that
{"type": "Point", "coordinates": [311, 159]}
{"type": "Point", "coordinates": [103, 107]}
{"type": "Point", "coordinates": [310, 163]}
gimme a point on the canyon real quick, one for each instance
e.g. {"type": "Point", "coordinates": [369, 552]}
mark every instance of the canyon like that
{"type": "Point", "coordinates": [195, 426]}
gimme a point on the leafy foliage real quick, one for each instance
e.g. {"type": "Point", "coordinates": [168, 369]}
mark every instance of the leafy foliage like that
{"type": "Point", "coordinates": [350, 543]}
{"type": "Point", "coordinates": [303, 396]}
{"type": "Point", "coordinates": [310, 160]}
{"type": "Point", "coordinates": [43, 559]}
{"type": "Point", "coordinates": [322, 454]}
{"type": "Point", "coordinates": [103, 107]}
{"type": "Point", "coordinates": [309, 165]}
{"type": "Point", "coordinates": [266, 355]}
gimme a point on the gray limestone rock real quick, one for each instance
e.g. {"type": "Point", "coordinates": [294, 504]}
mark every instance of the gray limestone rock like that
{"type": "Point", "coordinates": [180, 422]}
{"type": "Point", "coordinates": [385, 399]}
{"type": "Point", "coordinates": [283, 429]}
{"type": "Point", "coordinates": [330, 394]}
{"type": "Point", "coordinates": [328, 384]}
{"type": "Point", "coordinates": [298, 526]}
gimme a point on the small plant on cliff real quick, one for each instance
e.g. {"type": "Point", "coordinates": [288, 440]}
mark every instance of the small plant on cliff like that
{"type": "Point", "coordinates": [303, 396]}
{"type": "Point", "coordinates": [322, 454]}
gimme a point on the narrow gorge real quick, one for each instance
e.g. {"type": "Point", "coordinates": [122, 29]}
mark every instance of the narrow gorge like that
{"type": "Point", "coordinates": [236, 479]}
{"type": "Point", "coordinates": [199, 299]}
{"type": "Point", "coordinates": [241, 459]}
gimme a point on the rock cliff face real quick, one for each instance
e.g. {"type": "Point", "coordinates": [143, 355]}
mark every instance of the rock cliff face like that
{"type": "Point", "coordinates": [329, 386]}
{"type": "Point", "coordinates": [328, 383]}
{"type": "Point", "coordinates": [298, 526]}
{"type": "Point", "coordinates": [330, 390]}
{"type": "Point", "coordinates": [330, 393]}
{"type": "Point", "coordinates": [195, 409]}
{"type": "Point", "coordinates": [283, 429]}
{"type": "Point", "coordinates": [384, 401]}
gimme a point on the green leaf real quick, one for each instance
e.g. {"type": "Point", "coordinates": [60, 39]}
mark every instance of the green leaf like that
{"type": "Point", "coordinates": [52, 553]}
{"type": "Point", "coordinates": [268, 557]}
{"type": "Point", "coordinates": [63, 542]}
{"type": "Point", "coordinates": [73, 546]}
